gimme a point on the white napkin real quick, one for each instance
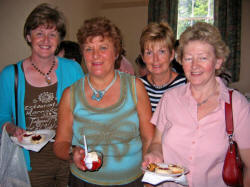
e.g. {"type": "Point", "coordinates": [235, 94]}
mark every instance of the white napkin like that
{"type": "Point", "coordinates": [36, 147]}
{"type": "Point", "coordinates": [154, 178]}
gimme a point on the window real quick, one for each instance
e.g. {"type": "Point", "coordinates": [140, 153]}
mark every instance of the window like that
{"type": "Point", "coordinates": [192, 11]}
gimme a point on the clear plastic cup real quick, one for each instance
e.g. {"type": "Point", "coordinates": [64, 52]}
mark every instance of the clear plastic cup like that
{"type": "Point", "coordinates": [90, 164]}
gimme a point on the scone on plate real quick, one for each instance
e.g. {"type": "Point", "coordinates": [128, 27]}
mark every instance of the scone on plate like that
{"type": "Point", "coordinates": [38, 138]}
{"type": "Point", "coordinates": [27, 136]}
{"type": "Point", "coordinates": [175, 168]}
{"type": "Point", "coordinates": [161, 170]}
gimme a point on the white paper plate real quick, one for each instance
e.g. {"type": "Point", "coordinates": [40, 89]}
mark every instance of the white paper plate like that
{"type": "Point", "coordinates": [167, 175]}
{"type": "Point", "coordinates": [46, 134]}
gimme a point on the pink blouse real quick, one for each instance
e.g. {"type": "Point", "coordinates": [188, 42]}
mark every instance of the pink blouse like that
{"type": "Point", "coordinates": [126, 66]}
{"type": "Point", "coordinates": [200, 145]}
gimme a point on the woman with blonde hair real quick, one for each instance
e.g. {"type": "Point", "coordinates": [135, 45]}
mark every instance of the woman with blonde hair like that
{"type": "Point", "coordinates": [157, 51]}
{"type": "Point", "coordinates": [190, 119]}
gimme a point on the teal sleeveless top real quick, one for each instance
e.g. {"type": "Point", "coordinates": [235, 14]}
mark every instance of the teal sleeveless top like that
{"type": "Point", "coordinates": [114, 131]}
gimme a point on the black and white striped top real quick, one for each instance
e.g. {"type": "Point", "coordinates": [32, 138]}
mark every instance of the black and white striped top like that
{"type": "Point", "coordinates": [155, 94]}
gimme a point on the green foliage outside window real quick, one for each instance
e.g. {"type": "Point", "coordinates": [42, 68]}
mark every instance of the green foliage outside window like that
{"type": "Point", "coordinates": [192, 11]}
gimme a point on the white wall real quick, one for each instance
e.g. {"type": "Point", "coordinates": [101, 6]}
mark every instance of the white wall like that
{"type": "Point", "coordinates": [131, 22]}
{"type": "Point", "coordinates": [13, 14]}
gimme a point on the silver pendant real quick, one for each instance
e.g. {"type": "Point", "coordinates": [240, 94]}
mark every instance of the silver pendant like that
{"type": "Point", "coordinates": [97, 96]}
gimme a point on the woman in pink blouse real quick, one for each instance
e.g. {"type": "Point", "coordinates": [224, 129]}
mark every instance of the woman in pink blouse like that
{"type": "Point", "coordinates": [190, 119]}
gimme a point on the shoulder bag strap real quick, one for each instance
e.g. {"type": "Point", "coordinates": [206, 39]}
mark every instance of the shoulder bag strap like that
{"type": "Point", "coordinates": [16, 84]}
{"type": "Point", "coordinates": [229, 115]}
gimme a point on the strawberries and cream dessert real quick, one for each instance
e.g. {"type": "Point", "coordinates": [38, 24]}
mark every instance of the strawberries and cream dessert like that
{"type": "Point", "coordinates": [92, 161]}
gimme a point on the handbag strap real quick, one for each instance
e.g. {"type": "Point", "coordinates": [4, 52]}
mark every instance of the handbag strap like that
{"type": "Point", "coordinates": [229, 116]}
{"type": "Point", "coordinates": [16, 84]}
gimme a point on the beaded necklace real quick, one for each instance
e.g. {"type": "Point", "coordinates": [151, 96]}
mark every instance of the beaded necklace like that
{"type": "Point", "coordinates": [46, 76]}
{"type": "Point", "coordinates": [98, 94]}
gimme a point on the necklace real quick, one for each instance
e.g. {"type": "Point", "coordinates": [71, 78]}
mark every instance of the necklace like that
{"type": "Point", "coordinates": [46, 76]}
{"type": "Point", "coordinates": [162, 86]}
{"type": "Point", "coordinates": [206, 100]}
{"type": "Point", "coordinates": [98, 94]}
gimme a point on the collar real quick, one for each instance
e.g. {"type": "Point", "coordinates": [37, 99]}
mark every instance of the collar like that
{"type": "Point", "coordinates": [223, 95]}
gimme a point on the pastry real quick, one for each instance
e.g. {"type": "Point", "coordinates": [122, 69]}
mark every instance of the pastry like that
{"type": "Point", "coordinates": [175, 169]}
{"type": "Point", "coordinates": [165, 169]}
{"type": "Point", "coordinates": [27, 136]}
{"type": "Point", "coordinates": [151, 167]}
{"type": "Point", "coordinates": [36, 139]}
{"type": "Point", "coordinates": [162, 170]}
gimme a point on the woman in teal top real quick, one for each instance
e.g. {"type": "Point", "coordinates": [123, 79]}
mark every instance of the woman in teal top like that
{"type": "Point", "coordinates": [110, 108]}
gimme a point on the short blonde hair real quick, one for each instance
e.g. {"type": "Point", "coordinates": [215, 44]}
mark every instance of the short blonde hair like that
{"type": "Point", "coordinates": [157, 32]}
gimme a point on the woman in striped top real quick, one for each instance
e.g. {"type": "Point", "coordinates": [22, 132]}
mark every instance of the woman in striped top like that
{"type": "Point", "coordinates": [157, 48]}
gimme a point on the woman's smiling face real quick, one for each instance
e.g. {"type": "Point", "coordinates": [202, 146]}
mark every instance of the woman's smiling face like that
{"type": "Point", "coordinates": [200, 62]}
{"type": "Point", "coordinates": [100, 55]}
{"type": "Point", "coordinates": [157, 57]}
{"type": "Point", "coordinates": [44, 41]}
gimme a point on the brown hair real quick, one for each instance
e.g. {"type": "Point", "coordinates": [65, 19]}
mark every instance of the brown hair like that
{"type": "Point", "coordinates": [157, 32]}
{"type": "Point", "coordinates": [47, 15]}
{"type": "Point", "coordinates": [101, 26]}
{"type": "Point", "coordinates": [205, 32]}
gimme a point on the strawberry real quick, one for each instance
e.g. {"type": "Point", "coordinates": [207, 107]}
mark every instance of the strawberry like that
{"type": "Point", "coordinates": [96, 165]}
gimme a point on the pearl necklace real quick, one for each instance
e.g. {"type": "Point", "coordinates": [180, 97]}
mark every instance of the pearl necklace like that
{"type": "Point", "coordinates": [46, 76]}
{"type": "Point", "coordinates": [162, 86]}
{"type": "Point", "coordinates": [98, 94]}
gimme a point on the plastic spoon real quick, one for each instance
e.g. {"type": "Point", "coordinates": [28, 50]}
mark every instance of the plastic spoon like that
{"type": "Point", "coordinates": [87, 160]}
{"type": "Point", "coordinates": [85, 146]}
